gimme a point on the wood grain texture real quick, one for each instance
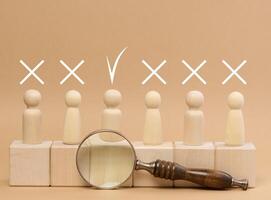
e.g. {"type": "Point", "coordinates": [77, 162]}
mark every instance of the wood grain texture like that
{"type": "Point", "coordinates": [112, 115]}
{"type": "Point", "coordinates": [30, 164]}
{"type": "Point", "coordinates": [149, 153]}
{"type": "Point", "coordinates": [193, 119]}
{"type": "Point", "coordinates": [239, 161]}
{"type": "Point", "coordinates": [153, 133]}
{"type": "Point", "coordinates": [72, 124]}
{"type": "Point", "coordinates": [190, 156]}
{"type": "Point", "coordinates": [212, 179]}
{"type": "Point", "coordinates": [63, 165]}
{"type": "Point", "coordinates": [110, 163]}
{"type": "Point", "coordinates": [32, 118]}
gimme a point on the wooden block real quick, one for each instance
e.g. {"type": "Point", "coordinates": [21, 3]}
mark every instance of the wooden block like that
{"type": "Point", "coordinates": [110, 162]}
{"type": "Point", "coordinates": [149, 153]}
{"type": "Point", "coordinates": [29, 164]}
{"type": "Point", "coordinates": [238, 161]}
{"type": "Point", "coordinates": [63, 165]}
{"type": "Point", "coordinates": [200, 156]}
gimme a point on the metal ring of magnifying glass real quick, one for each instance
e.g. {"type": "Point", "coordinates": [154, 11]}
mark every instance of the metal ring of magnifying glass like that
{"type": "Point", "coordinates": [104, 131]}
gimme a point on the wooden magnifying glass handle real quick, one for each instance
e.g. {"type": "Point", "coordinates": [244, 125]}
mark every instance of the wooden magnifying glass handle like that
{"type": "Point", "coordinates": [208, 178]}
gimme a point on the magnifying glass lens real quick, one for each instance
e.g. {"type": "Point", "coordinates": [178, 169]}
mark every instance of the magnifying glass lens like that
{"type": "Point", "coordinates": [105, 160]}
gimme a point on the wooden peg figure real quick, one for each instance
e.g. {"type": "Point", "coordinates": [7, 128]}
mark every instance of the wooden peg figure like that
{"type": "Point", "coordinates": [193, 119]}
{"type": "Point", "coordinates": [153, 124]}
{"type": "Point", "coordinates": [72, 125]}
{"type": "Point", "coordinates": [32, 117]}
{"type": "Point", "coordinates": [111, 116]}
{"type": "Point", "coordinates": [235, 128]}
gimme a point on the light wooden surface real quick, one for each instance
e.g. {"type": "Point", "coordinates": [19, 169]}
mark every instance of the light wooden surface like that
{"type": "Point", "coordinates": [153, 133]}
{"type": "Point", "coordinates": [63, 165]}
{"type": "Point", "coordinates": [194, 119]}
{"type": "Point", "coordinates": [111, 115]}
{"type": "Point", "coordinates": [82, 193]}
{"type": "Point", "coordinates": [239, 161]}
{"type": "Point", "coordinates": [30, 164]}
{"type": "Point", "coordinates": [72, 124]}
{"type": "Point", "coordinates": [32, 118]}
{"type": "Point", "coordinates": [149, 153]}
{"type": "Point", "coordinates": [235, 125]}
{"type": "Point", "coordinates": [110, 163]}
{"type": "Point", "coordinates": [193, 156]}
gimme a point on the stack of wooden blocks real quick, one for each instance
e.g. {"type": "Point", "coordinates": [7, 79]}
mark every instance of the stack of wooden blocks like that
{"type": "Point", "coordinates": [53, 163]}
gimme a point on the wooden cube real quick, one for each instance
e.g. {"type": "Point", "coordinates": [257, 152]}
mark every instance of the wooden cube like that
{"type": "Point", "coordinates": [149, 153]}
{"type": "Point", "coordinates": [201, 156]}
{"type": "Point", "coordinates": [109, 162]}
{"type": "Point", "coordinates": [238, 161]}
{"type": "Point", "coordinates": [29, 164]}
{"type": "Point", "coordinates": [63, 165]}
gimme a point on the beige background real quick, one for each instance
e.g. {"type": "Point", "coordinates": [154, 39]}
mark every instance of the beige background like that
{"type": "Point", "coordinates": [152, 30]}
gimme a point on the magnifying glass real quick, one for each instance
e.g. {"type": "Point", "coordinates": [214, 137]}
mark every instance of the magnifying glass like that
{"type": "Point", "coordinates": [105, 159]}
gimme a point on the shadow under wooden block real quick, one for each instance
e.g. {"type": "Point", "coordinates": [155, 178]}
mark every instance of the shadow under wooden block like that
{"type": "Point", "coordinates": [238, 161]}
{"type": "Point", "coordinates": [63, 165]}
{"type": "Point", "coordinates": [201, 156]}
{"type": "Point", "coordinates": [29, 164]}
{"type": "Point", "coordinates": [149, 153]}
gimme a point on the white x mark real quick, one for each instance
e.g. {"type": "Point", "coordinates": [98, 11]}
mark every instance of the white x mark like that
{"type": "Point", "coordinates": [154, 72]}
{"type": "Point", "coordinates": [72, 72]}
{"type": "Point", "coordinates": [234, 72]}
{"type": "Point", "coordinates": [31, 72]}
{"type": "Point", "coordinates": [194, 72]}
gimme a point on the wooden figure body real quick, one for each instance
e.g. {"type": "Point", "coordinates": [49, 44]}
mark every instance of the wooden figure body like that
{"type": "Point", "coordinates": [153, 124]}
{"type": "Point", "coordinates": [32, 118]}
{"type": "Point", "coordinates": [72, 126]}
{"type": "Point", "coordinates": [193, 119]}
{"type": "Point", "coordinates": [235, 129]}
{"type": "Point", "coordinates": [111, 116]}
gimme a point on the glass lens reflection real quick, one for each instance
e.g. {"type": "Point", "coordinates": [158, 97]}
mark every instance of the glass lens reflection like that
{"type": "Point", "coordinates": [105, 160]}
